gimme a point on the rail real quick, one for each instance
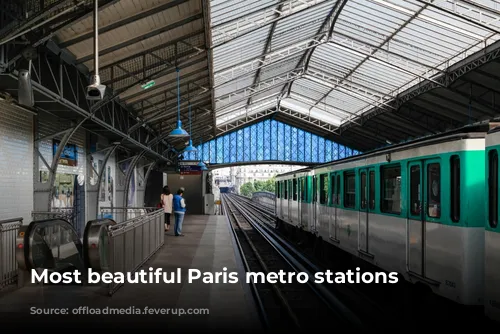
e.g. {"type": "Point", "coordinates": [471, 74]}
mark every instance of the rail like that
{"type": "Point", "coordinates": [133, 242]}
{"type": "Point", "coordinates": [8, 263]}
{"type": "Point", "coordinates": [298, 263]}
{"type": "Point", "coordinates": [63, 213]}
{"type": "Point", "coordinates": [121, 214]}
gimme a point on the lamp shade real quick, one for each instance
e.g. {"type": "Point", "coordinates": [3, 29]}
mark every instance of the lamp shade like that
{"type": "Point", "coordinates": [179, 131]}
{"type": "Point", "coordinates": [190, 147]}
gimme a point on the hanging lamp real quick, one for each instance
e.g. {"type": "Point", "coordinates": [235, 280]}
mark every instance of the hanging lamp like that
{"type": "Point", "coordinates": [179, 131]}
{"type": "Point", "coordinates": [190, 147]}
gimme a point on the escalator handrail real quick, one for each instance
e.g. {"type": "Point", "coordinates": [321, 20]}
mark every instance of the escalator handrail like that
{"type": "Point", "coordinates": [92, 242]}
{"type": "Point", "coordinates": [24, 241]}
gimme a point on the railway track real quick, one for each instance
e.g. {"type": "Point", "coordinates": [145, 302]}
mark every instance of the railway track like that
{"type": "Point", "coordinates": [285, 306]}
{"type": "Point", "coordinates": [396, 305]}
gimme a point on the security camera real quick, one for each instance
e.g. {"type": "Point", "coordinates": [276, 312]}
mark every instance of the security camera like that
{"type": "Point", "coordinates": [95, 91]}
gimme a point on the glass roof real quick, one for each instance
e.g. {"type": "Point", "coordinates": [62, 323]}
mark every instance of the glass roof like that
{"type": "Point", "coordinates": [335, 60]}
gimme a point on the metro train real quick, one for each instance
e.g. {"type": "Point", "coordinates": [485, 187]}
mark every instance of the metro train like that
{"type": "Point", "coordinates": [418, 208]}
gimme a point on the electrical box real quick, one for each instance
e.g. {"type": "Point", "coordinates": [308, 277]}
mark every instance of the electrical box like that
{"type": "Point", "coordinates": [209, 204]}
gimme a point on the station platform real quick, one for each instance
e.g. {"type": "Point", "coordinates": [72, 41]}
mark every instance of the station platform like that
{"type": "Point", "coordinates": [208, 245]}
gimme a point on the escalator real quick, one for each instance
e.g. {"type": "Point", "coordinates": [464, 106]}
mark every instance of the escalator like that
{"type": "Point", "coordinates": [54, 245]}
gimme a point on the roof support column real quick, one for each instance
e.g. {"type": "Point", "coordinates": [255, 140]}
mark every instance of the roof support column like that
{"type": "Point", "coordinates": [55, 161]}
{"type": "Point", "coordinates": [128, 176]}
{"type": "Point", "coordinates": [110, 152]}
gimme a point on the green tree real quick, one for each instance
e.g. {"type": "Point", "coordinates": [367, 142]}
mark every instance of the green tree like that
{"type": "Point", "coordinates": [247, 189]}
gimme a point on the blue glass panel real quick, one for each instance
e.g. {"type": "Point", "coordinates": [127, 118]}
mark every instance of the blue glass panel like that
{"type": "Point", "coordinates": [286, 141]}
{"type": "Point", "coordinates": [314, 148]}
{"type": "Point", "coordinates": [293, 150]}
{"type": "Point", "coordinates": [321, 149]}
{"type": "Point", "coordinates": [259, 141]}
{"type": "Point", "coordinates": [274, 140]}
{"type": "Point", "coordinates": [270, 140]}
{"type": "Point", "coordinates": [280, 140]}
{"type": "Point", "coordinates": [341, 152]}
{"type": "Point", "coordinates": [213, 152]}
{"type": "Point", "coordinates": [220, 150]}
{"type": "Point", "coordinates": [267, 140]}
{"type": "Point", "coordinates": [328, 150]}
{"type": "Point", "coordinates": [307, 147]}
{"type": "Point", "coordinates": [233, 147]}
{"type": "Point", "coordinates": [246, 144]}
{"type": "Point", "coordinates": [300, 145]}
{"type": "Point", "coordinates": [240, 146]}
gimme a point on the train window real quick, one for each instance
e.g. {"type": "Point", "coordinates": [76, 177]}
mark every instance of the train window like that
{"type": "Point", "coordinates": [349, 190]}
{"type": "Point", "coordinates": [455, 188]}
{"type": "Point", "coordinates": [363, 190]}
{"type": "Point", "coordinates": [433, 190]}
{"type": "Point", "coordinates": [371, 197]}
{"type": "Point", "coordinates": [391, 190]}
{"type": "Point", "coordinates": [337, 196]}
{"type": "Point", "coordinates": [277, 189]}
{"type": "Point", "coordinates": [294, 189]}
{"type": "Point", "coordinates": [493, 188]}
{"type": "Point", "coordinates": [415, 205]}
{"type": "Point", "coordinates": [323, 185]}
{"type": "Point", "coordinates": [285, 186]}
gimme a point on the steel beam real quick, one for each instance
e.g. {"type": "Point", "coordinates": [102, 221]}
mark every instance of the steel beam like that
{"type": "Point", "coordinates": [55, 160]}
{"type": "Point", "coordinates": [125, 21]}
{"type": "Point", "coordinates": [109, 153]}
{"type": "Point", "coordinates": [138, 39]}
{"type": "Point", "coordinates": [233, 29]}
{"type": "Point", "coordinates": [64, 85]}
{"type": "Point", "coordinates": [128, 176]}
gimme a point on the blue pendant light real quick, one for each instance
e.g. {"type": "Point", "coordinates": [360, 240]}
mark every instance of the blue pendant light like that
{"type": "Point", "coordinates": [190, 147]}
{"type": "Point", "coordinates": [179, 131]}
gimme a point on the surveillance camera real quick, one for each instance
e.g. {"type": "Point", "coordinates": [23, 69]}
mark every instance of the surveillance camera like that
{"type": "Point", "coordinates": [95, 91]}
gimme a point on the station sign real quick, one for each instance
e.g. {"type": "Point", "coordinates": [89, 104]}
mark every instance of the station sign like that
{"type": "Point", "coordinates": [189, 168]}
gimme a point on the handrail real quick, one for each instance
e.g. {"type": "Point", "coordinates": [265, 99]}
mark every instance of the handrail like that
{"type": "Point", "coordinates": [133, 242]}
{"type": "Point", "coordinates": [121, 214]}
{"type": "Point", "coordinates": [8, 263]}
{"type": "Point", "coordinates": [25, 241]}
{"type": "Point", "coordinates": [95, 241]}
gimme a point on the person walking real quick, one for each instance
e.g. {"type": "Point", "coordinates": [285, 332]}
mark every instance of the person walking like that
{"type": "Point", "coordinates": [166, 202]}
{"type": "Point", "coordinates": [179, 211]}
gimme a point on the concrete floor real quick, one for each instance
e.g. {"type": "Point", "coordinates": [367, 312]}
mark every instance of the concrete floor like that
{"type": "Point", "coordinates": [206, 246]}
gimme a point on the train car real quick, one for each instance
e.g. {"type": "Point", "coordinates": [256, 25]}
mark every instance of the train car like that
{"type": "Point", "coordinates": [295, 194]}
{"type": "Point", "coordinates": [413, 208]}
{"type": "Point", "coordinates": [492, 229]}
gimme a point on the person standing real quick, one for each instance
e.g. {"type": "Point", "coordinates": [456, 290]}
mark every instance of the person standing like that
{"type": "Point", "coordinates": [166, 202]}
{"type": "Point", "coordinates": [179, 211]}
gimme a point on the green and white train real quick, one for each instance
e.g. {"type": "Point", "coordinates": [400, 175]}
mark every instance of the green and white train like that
{"type": "Point", "coordinates": [419, 209]}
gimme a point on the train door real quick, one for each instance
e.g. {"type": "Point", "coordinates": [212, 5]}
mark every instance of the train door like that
{"type": "Point", "coordinates": [314, 208]}
{"type": "Point", "coordinates": [367, 205]}
{"type": "Point", "coordinates": [335, 198]}
{"type": "Point", "coordinates": [290, 200]}
{"type": "Point", "coordinates": [282, 197]}
{"type": "Point", "coordinates": [425, 195]}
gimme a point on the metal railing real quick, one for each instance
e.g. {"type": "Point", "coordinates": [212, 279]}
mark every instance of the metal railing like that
{"type": "Point", "coordinates": [121, 214]}
{"type": "Point", "coordinates": [8, 263]}
{"type": "Point", "coordinates": [63, 213]}
{"type": "Point", "coordinates": [265, 198]}
{"type": "Point", "coordinates": [133, 242]}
